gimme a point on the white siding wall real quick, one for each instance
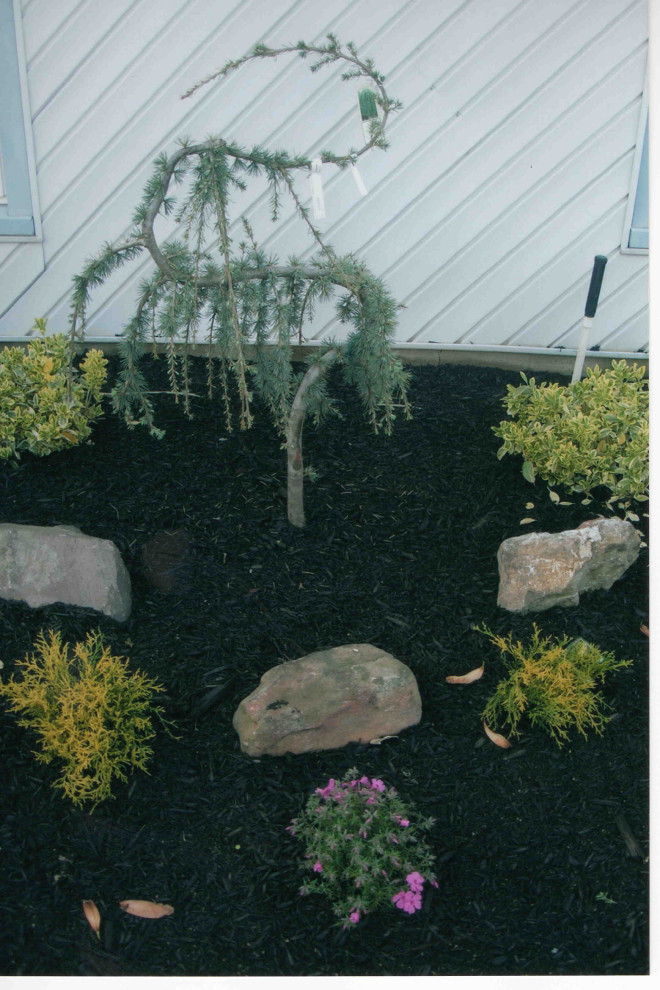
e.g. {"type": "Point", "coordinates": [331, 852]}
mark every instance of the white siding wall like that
{"type": "Point", "coordinates": [509, 166]}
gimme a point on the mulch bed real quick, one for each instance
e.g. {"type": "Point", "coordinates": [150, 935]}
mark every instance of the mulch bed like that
{"type": "Point", "coordinates": [541, 852]}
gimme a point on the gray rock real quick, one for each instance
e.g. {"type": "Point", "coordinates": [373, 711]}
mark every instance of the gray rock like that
{"type": "Point", "coordinates": [328, 699]}
{"type": "Point", "coordinates": [541, 570]}
{"type": "Point", "coordinates": [41, 565]}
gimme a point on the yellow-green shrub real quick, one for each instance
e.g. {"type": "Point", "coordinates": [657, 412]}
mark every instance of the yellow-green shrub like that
{"type": "Point", "coordinates": [552, 683]}
{"type": "Point", "coordinates": [88, 712]}
{"type": "Point", "coordinates": [43, 406]}
{"type": "Point", "coordinates": [593, 432]}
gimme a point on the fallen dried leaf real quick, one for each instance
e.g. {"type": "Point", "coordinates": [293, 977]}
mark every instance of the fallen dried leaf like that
{"type": "Point", "coordinates": [146, 909]}
{"type": "Point", "coordinates": [93, 916]}
{"type": "Point", "coordinates": [526, 520]}
{"type": "Point", "coordinates": [632, 845]}
{"type": "Point", "coordinates": [468, 678]}
{"type": "Point", "coordinates": [644, 629]}
{"type": "Point", "coordinates": [497, 738]}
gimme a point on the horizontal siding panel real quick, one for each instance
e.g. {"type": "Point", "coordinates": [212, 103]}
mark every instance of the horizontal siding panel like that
{"type": "Point", "coordinates": [633, 334]}
{"type": "Point", "coordinates": [133, 122]}
{"type": "Point", "coordinates": [509, 166]}
{"type": "Point", "coordinates": [476, 145]}
{"type": "Point", "coordinates": [501, 168]}
{"type": "Point", "coordinates": [444, 51]}
{"type": "Point", "coordinates": [60, 59]}
{"type": "Point", "coordinates": [614, 308]}
{"type": "Point", "coordinates": [5, 251]}
{"type": "Point", "coordinates": [18, 272]}
{"type": "Point", "coordinates": [558, 324]}
{"type": "Point", "coordinates": [78, 111]}
{"type": "Point", "coordinates": [527, 237]}
{"type": "Point", "coordinates": [42, 20]}
{"type": "Point", "coordinates": [455, 113]}
{"type": "Point", "coordinates": [540, 289]}
{"type": "Point", "coordinates": [251, 107]}
{"type": "Point", "coordinates": [97, 205]}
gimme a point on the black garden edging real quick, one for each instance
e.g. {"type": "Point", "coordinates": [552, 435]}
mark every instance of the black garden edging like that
{"type": "Point", "coordinates": [538, 871]}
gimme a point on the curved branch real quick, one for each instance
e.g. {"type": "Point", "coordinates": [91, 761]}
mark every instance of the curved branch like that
{"type": "Point", "coordinates": [295, 469]}
{"type": "Point", "coordinates": [328, 53]}
{"type": "Point", "coordinates": [148, 238]}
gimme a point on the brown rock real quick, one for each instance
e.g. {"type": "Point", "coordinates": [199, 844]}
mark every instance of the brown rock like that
{"type": "Point", "coordinates": [166, 559]}
{"type": "Point", "coordinates": [541, 570]}
{"type": "Point", "coordinates": [327, 699]}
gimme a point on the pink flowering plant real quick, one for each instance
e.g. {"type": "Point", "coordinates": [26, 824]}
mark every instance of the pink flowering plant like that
{"type": "Point", "coordinates": [363, 849]}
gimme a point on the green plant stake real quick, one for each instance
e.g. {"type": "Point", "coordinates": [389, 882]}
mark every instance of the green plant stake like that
{"type": "Point", "coordinates": [552, 683]}
{"type": "Point", "coordinates": [249, 297]}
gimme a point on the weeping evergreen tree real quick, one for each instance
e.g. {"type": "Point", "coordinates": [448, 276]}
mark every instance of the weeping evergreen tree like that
{"type": "Point", "coordinates": [200, 290]}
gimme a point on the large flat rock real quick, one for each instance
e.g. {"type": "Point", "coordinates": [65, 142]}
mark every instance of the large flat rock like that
{"type": "Point", "coordinates": [327, 699]}
{"type": "Point", "coordinates": [41, 565]}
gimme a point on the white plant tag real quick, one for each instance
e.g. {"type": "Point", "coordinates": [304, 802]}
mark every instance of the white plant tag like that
{"type": "Point", "coordinates": [362, 189]}
{"type": "Point", "coordinates": [318, 203]}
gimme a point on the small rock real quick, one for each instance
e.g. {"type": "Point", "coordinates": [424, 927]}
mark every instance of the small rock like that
{"type": "Point", "coordinates": [328, 699]}
{"type": "Point", "coordinates": [166, 558]}
{"type": "Point", "coordinates": [41, 565]}
{"type": "Point", "coordinates": [540, 570]}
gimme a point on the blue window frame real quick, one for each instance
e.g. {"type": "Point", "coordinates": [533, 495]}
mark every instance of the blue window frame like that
{"type": "Point", "coordinates": [639, 227]}
{"type": "Point", "coordinates": [636, 227]}
{"type": "Point", "coordinates": [16, 203]}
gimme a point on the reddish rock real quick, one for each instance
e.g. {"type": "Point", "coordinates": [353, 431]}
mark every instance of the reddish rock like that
{"type": "Point", "coordinates": [541, 570]}
{"type": "Point", "coordinates": [328, 699]}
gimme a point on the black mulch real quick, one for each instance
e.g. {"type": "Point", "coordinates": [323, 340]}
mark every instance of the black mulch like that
{"type": "Point", "coordinates": [541, 852]}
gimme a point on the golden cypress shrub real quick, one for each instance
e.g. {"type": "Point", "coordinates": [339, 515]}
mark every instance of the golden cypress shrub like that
{"type": "Point", "coordinates": [552, 683]}
{"type": "Point", "coordinates": [88, 712]}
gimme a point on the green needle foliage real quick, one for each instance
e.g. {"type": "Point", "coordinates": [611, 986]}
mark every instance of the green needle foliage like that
{"type": "Point", "coordinates": [88, 712]}
{"type": "Point", "coordinates": [552, 683]}
{"type": "Point", "coordinates": [246, 302]}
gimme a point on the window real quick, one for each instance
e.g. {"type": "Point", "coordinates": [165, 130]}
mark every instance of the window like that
{"type": "Point", "coordinates": [636, 227]}
{"type": "Point", "coordinates": [17, 200]}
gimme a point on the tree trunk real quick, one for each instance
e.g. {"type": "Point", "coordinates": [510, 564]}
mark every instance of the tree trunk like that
{"type": "Point", "coordinates": [295, 469]}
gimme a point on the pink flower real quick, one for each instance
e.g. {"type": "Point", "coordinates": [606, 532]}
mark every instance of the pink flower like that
{"type": "Point", "coordinates": [408, 900]}
{"type": "Point", "coordinates": [434, 883]}
{"type": "Point", "coordinates": [318, 867]}
{"type": "Point", "coordinates": [403, 822]}
{"type": "Point", "coordinates": [325, 792]}
{"type": "Point", "coordinates": [377, 785]}
{"type": "Point", "coordinates": [394, 840]}
{"type": "Point", "coordinates": [415, 881]}
{"type": "Point", "coordinates": [355, 917]}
